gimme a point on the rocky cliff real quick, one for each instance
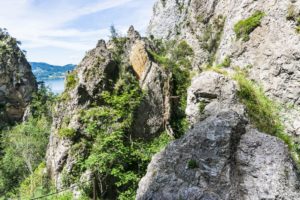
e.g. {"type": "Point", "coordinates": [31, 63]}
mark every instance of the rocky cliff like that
{"type": "Point", "coordinates": [111, 66]}
{"type": "Point", "coordinates": [17, 83]}
{"type": "Point", "coordinates": [271, 49]}
{"type": "Point", "coordinates": [217, 158]}
{"type": "Point", "coordinates": [227, 70]}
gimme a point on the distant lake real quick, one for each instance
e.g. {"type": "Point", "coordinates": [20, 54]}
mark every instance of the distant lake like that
{"type": "Point", "coordinates": [57, 85]}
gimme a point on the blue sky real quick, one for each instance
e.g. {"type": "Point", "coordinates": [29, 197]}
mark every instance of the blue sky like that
{"type": "Point", "coordinates": [61, 31]}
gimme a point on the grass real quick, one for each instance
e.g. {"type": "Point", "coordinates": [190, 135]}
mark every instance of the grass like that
{"type": "Point", "coordinates": [244, 27]}
{"type": "Point", "coordinates": [264, 113]}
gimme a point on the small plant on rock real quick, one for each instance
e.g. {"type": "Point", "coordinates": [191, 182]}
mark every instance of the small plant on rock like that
{"type": "Point", "coordinates": [244, 27]}
{"type": "Point", "coordinates": [192, 164]}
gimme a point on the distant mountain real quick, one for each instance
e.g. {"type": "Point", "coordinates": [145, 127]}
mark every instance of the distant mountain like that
{"type": "Point", "coordinates": [45, 71]}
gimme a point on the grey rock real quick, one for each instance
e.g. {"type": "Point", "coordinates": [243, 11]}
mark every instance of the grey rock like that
{"type": "Point", "coordinates": [17, 82]}
{"type": "Point", "coordinates": [98, 71]}
{"type": "Point", "coordinates": [266, 170]}
{"type": "Point", "coordinates": [272, 51]}
{"type": "Point", "coordinates": [221, 159]}
{"type": "Point", "coordinates": [198, 166]}
{"type": "Point", "coordinates": [210, 93]}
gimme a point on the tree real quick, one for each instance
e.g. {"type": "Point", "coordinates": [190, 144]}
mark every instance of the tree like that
{"type": "Point", "coordinates": [113, 32]}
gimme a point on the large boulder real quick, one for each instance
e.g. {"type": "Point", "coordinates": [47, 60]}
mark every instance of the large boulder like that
{"type": "Point", "coordinates": [219, 159]}
{"type": "Point", "coordinates": [209, 93]}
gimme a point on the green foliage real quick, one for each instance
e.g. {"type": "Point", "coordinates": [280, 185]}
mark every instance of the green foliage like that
{"type": "Point", "coordinates": [42, 103]}
{"type": "Point", "coordinates": [226, 62]}
{"type": "Point", "coordinates": [201, 106]}
{"type": "Point", "coordinates": [35, 185]}
{"type": "Point", "coordinates": [71, 80]}
{"type": "Point", "coordinates": [115, 159]}
{"type": "Point", "coordinates": [66, 133]}
{"type": "Point", "coordinates": [24, 148]}
{"type": "Point", "coordinates": [243, 28]}
{"type": "Point", "coordinates": [176, 60]}
{"type": "Point", "coordinates": [192, 164]}
{"type": "Point", "coordinates": [261, 110]}
{"type": "Point", "coordinates": [24, 145]}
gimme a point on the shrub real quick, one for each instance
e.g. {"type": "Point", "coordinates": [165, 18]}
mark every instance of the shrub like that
{"type": "Point", "coordinates": [192, 164]}
{"type": "Point", "coordinates": [71, 80]}
{"type": "Point", "coordinates": [226, 62]}
{"type": "Point", "coordinates": [243, 28]}
{"type": "Point", "coordinates": [67, 133]}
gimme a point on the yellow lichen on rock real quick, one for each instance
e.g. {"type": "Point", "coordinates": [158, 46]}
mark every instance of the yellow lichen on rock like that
{"type": "Point", "coordinates": [138, 58]}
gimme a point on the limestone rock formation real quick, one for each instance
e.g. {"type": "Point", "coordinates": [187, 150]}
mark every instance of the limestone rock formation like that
{"type": "Point", "coordinates": [220, 159]}
{"type": "Point", "coordinates": [17, 82]}
{"type": "Point", "coordinates": [209, 93]}
{"type": "Point", "coordinates": [96, 73]}
{"type": "Point", "coordinates": [272, 51]}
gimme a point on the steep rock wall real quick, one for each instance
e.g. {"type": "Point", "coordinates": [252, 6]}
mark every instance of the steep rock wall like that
{"type": "Point", "coordinates": [17, 82]}
{"type": "Point", "coordinates": [272, 51]}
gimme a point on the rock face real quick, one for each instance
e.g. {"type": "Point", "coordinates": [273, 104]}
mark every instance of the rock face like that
{"type": "Point", "coordinates": [97, 72]}
{"type": "Point", "coordinates": [272, 51]}
{"type": "Point", "coordinates": [222, 156]}
{"type": "Point", "coordinates": [17, 82]}
{"type": "Point", "coordinates": [220, 159]}
{"type": "Point", "coordinates": [209, 93]}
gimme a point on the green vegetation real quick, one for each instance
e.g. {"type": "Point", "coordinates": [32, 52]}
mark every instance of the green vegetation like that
{"type": "Point", "coordinates": [23, 146]}
{"type": "Point", "coordinates": [294, 15]}
{"type": "Point", "coordinates": [243, 28]}
{"type": "Point", "coordinates": [66, 133]}
{"type": "Point", "coordinates": [116, 159]}
{"type": "Point", "coordinates": [192, 164]}
{"type": "Point", "coordinates": [263, 112]}
{"type": "Point", "coordinates": [211, 38]}
{"type": "Point", "coordinates": [226, 63]}
{"type": "Point", "coordinates": [176, 60]}
{"type": "Point", "coordinates": [201, 106]}
{"type": "Point", "coordinates": [71, 80]}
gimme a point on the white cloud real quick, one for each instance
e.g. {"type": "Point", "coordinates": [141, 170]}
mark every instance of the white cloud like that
{"type": "Point", "coordinates": [37, 26]}
{"type": "Point", "coordinates": [42, 23]}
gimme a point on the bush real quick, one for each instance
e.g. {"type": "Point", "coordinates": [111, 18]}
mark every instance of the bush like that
{"type": "Point", "coordinates": [244, 27]}
{"type": "Point", "coordinates": [71, 80]}
{"type": "Point", "coordinates": [67, 133]}
{"type": "Point", "coordinates": [192, 164]}
{"type": "Point", "coordinates": [226, 63]}
{"type": "Point", "coordinates": [113, 156]}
